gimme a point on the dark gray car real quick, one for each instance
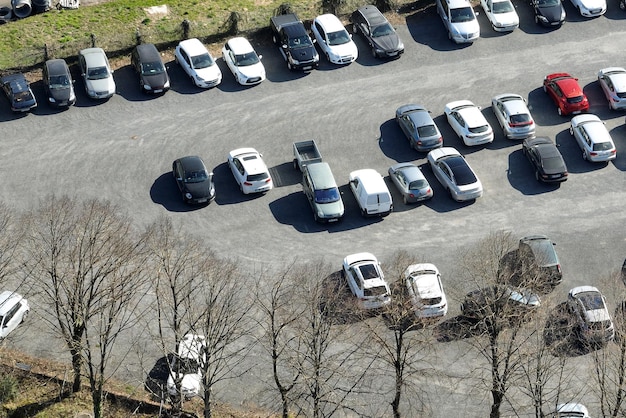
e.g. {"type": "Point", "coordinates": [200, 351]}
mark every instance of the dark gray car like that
{"type": "Point", "coordinates": [377, 31]}
{"type": "Point", "coordinates": [147, 63]}
{"type": "Point", "coordinates": [419, 127]}
{"type": "Point", "coordinates": [58, 83]}
{"type": "Point", "coordinates": [410, 181]}
{"type": "Point", "coordinates": [194, 181]}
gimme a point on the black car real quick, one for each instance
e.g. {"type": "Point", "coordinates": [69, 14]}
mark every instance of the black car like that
{"type": "Point", "coordinates": [549, 13]}
{"type": "Point", "coordinates": [376, 29]}
{"type": "Point", "coordinates": [546, 159]}
{"type": "Point", "coordinates": [499, 301]}
{"type": "Point", "coordinates": [18, 91]}
{"type": "Point", "coordinates": [147, 63]}
{"type": "Point", "coordinates": [194, 181]}
{"type": "Point", "coordinates": [58, 83]}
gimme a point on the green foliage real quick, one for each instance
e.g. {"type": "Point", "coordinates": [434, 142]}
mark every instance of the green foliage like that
{"type": "Point", "coordinates": [8, 388]}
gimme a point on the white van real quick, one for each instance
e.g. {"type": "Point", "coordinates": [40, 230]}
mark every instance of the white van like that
{"type": "Point", "coordinates": [371, 192]}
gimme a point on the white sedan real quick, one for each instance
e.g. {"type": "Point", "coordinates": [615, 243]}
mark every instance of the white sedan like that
{"type": "Point", "coordinates": [593, 138]}
{"type": "Point", "coordinates": [366, 280]}
{"type": "Point", "coordinates": [186, 367]}
{"type": "Point", "coordinates": [249, 170]}
{"type": "Point", "coordinates": [501, 14]}
{"type": "Point", "coordinates": [13, 311]}
{"type": "Point", "coordinates": [243, 61]}
{"type": "Point", "coordinates": [334, 40]}
{"type": "Point", "coordinates": [468, 122]}
{"type": "Point", "coordinates": [455, 174]}
{"type": "Point", "coordinates": [613, 83]}
{"type": "Point", "coordinates": [423, 283]}
{"type": "Point", "coordinates": [197, 62]}
{"type": "Point", "coordinates": [590, 8]}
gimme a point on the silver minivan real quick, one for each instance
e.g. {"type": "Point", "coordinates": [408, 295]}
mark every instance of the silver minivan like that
{"type": "Point", "coordinates": [322, 192]}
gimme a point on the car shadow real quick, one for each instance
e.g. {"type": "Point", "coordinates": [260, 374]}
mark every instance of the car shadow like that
{"type": "Point", "coordinates": [127, 85]}
{"type": "Point", "coordinates": [619, 138]}
{"type": "Point", "coordinates": [180, 82]}
{"type": "Point", "coordinates": [396, 195]}
{"type": "Point", "coordinates": [337, 304]}
{"type": "Point", "coordinates": [394, 144]}
{"type": "Point", "coordinates": [365, 57]}
{"type": "Point", "coordinates": [285, 175]}
{"type": "Point", "coordinates": [227, 190]}
{"type": "Point", "coordinates": [560, 337]}
{"type": "Point", "coordinates": [543, 109]}
{"type": "Point", "coordinates": [82, 99]}
{"type": "Point", "coordinates": [457, 328]}
{"type": "Point", "coordinates": [572, 154]}
{"type": "Point", "coordinates": [164, 192]}
{"type": "Point", "coordinates": [598, 104]}
{"type": "Point", "coordinates": [521, 176]}
{"type": "Point", "coordinates": [156, 380]}
{"type": "Point", "coordinates": [426, 28]}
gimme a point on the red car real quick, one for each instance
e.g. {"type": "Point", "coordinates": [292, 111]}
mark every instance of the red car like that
{"type": "Point", "coordinates": [566, 93]}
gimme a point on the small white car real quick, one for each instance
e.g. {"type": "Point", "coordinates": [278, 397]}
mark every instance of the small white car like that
{"type": "Point", "coordinates": [198, 63]}
{"type": "Point", "coordinates": [459, 19]}
{"type": "Point", "coordinates": [513, 116]}
{"type": "Point", "coordinates": [571, 410]}
{"type": "Point", "coordinates": [590, 8]}
{"type": "Point", "coordinates": [243, 61]}
{"type": "Point", "coordinates": [366, 280]}
{"type": "Point", "coordinates": [13, 311]}
{"type": "Point", "coordinates": [468, 122]}
{"type": "Point", "coordinates": [423, 284]}
{"type": "Point", "coordinates": [455, 174]}
{"type": "Point", "coordinates": [334, 40]}
{"type": "Point", "coordinates": [501, 14]}
{"type": "Point", "coordinates": [593, 138]}
{"type": "Point", "coordinates": [96, 72]}
{"type": "Point", "coordinates": [186, 366]}
{"type": "Point", "coordinates": [613, 83]}
{"type": "Point", "coordinates": [249, 170]}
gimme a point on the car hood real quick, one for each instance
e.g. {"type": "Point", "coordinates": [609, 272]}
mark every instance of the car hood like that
{"type": "Point", "coordinates": [156, 81]}
{"type": "Point", "coordinates": [254, 70]}
{"type": "Point", "coordinates": [332, 208]}
{"type": "Point", "coordinates": [552, 13]}
{"type": "Point", "coordinates": [105, 84]}
{"type": "Point", "coordinates": [593, 4]}
{"type": "Point", "coordinates": [597, 315]}
{"type": "Point", "coordinates": [199, 190]}
{"type": "Point", "coordinates": [305, 53]}
{"type": "Point", "coordinates": [506, 19]}
{"type": "Point", "coordinates": [349, 48]}
{"type": "Point", "coordinates": [209, 73]}
{"type": "Point", "coordinates": [466, 27]}
{"type": "Point", "coordinates": [62, 94]}
{"type": "Point", "coordinates": [389, 42]}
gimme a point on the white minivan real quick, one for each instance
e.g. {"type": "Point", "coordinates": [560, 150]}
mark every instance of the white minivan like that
{"type": "Point", "coordinates": [371, 192]}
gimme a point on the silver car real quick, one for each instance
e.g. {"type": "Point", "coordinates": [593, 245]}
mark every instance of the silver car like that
{"type": "Point", "coordinates": [613, 83]}
{"type": "Point", "coordinates": [593, 321]}
{"type": "Point", "coordinates": [593, 138]}
{"type": "Point", "coordinates": [96, 73]}
{"type": "Point", "coordinates": [419, 127]}
{"type": "Point", "coordinates": [410, 182]}
{"type": "Point", "coordinates": [455, 174]}
{"type": "Point", "coordinates": [513, 116]}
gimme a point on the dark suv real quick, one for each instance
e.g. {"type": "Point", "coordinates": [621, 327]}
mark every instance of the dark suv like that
{"type": "Point", "coordinates": [377, 31]}
{"type": "Point", "coordinates": [147, 63]}
{"type": "Point", "coordinates": [58, 83]}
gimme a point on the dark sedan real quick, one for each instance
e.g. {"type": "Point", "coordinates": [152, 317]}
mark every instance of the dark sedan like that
{"type": "Point", "coordinates": [550, 13]}
{"type": "Point", "coordinates": [194, 181]}
{"type": "Point", "coordinates": [147, 62]}
{"type": "Point", "coordinates": [419, 127]}
{"type": "Point", "coordinates": [546, 159]}
{"type": "Point", "coordinates": [18, 91]}
{"type": "Point", "coordinates": [58, 83]}
{"type": "Point", "coordinates": [377, 31]}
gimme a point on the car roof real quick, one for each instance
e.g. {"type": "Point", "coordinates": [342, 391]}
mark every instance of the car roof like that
{"type": "Point", "coordinates": [542, 246]}
{"type": "Point", "coordinates": [322, 175]}
{"type": "Point", "coordinates": [568, 84]}
{"type": "Point", "coordinates": [410, 170]}
{"type": "Point", "coordinates": [192, 163]}
{"type": "Point", "coordinates": [360, 257]}
{"type": "Point", "coordinates": [8, 299]}
{"type": "Point", "coordinates": [596, 130]}
{"type": "Point", "coordinates": [17, 82]}
{"type": "Point", "coordinates": [370, 179]}
{"type": "Point", "coordinates": [618, 78]}
{"type": "Point", "coordinates": [240, 45]}
{"type": "Point", "coordinates": [583, 289]}
{"type": "Point", "coordinates": [513, 103]}
{"type": "Point", "coordinates": [472, 116]}
{"type": "Point", "coordinates": [454, 4]}
{"type": "Point", "coordinates": [193, 47]}
{"type": "Point", "coordinates": [372, 14]}
{"type": "Point", "coordinates": [421, 117]}
{"type": "Point", "coordinates": [148, 52]}
{"type": "Point", "coordinates": [443, 152]}
{"type": "Point", "coordinates": [94, 57]}
{"type": "Point", "coordinates": [330, 22]}
{"type": "Point", "coordinates": [252, 165]}
{"type": "Point", "coordinates": [57, 67]}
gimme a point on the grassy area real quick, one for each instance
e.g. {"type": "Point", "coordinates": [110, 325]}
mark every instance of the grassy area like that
{"type": "Point", "coordinates": [115, 23]}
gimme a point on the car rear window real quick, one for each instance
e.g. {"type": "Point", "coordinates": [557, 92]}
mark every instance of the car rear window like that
{"type": "Point", "coordinates": [576, 99]}
{"type": "Point", "coordinates": [520, 119]}
{"type": "Point", "coordinates": [368, 271]}
{"type": "Point", "coordinates": [257, 177]}
{"type": "Point", "coordinates": [418, 184]}
{"type": "Point", "coordinates": [479, 129]}
{"type": "Point", "coordinates": [602, 146]}
{"type": "Point", "coordinates": [375, 291]}
{"type": "Point", "coordinates": [551, 164]}
{"type": "Point", "coordinates": [428, 130]}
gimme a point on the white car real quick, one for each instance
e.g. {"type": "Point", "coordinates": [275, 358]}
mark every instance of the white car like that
{"type": "Point", "coordinates": [468, 122]}
{"type": "Point", "coordinates": [13, 311]}
{"type": "Point", "coordinates": [366, 280]}
{"type": "Point", "coordinates": [186, 366]}
{"type": "Point", "coordinates": [455, 174]}
{"type": "Point", "coordinates": [243, 61]}
{"type": "Point", "coordinates": [423, 283]}
{"type": "Point", "coordinates": [613, 83]}
{"type": "Point", "coordinates": [334, 40]}
{"type": "Point", "coordinates": [571, 410]}
{"type": "Point", "coordinates": [501, 14]}
{"type": "Point", "coordinates": [249, 170]}
{"type": "Point", "coordinates": [96, 72]}
{"type": "Point", "coordinates": [459, 20]}
{"type": "Point", "coordinates": [590, 8]}
{"type": "Point", "coordinates": [197, 62]}
{"type": "Point", "coordinates": [513, 116]}
{"type": "Point", "coordinates": [593, 138]}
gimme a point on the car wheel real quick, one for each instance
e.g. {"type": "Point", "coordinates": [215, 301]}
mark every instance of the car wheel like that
{"type": "Point", "coordinates": [289, 66]}
{"type": "Point", "coordinates": [374, 54]}
{"type": "Point", "coordinates": [295, 164]}
{"type": "Point", "coordinates": [622, 4]}
{"type": "Point", "coordinates": [363, 212]}
{"type": "Point", "coordinates": [24, 317]}
{"type": "Point", "coordinates": [584, 156]}
{"type": "Point", "coordinates": [559, 111]}
{"type": "Point", "coordinates": [404, 199]}
{"type": "Point", "coordinates": [315, 217]}
{"type": "Point", "coordinates": [537, 176]}
{"type": "Point", "coordinates": [327, 56]}
{"type": "Point", "coordinates": [571, 131]}
{"type": "Point", "coordinates": [274, 39]}
{"type": "Point", "coordinates": [536, 19]}
{"type": "Point", "coordinates": [545, 90]}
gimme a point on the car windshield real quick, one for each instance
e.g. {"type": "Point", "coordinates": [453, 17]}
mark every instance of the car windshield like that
{"type": "Point", "coordinates": [244, 60]}
{"type": "Point", "coordinates": [478, 129]}
{"type": "Point", "coordinates": [98, 73]}
{"type": "Point", "coordinates": [591, 301]}
{"type": "Point", "coordinates": [382, 30]}
{"type": "Point", "coordinates": [59, 82]}
{"type": "Point", "coordinates": [202, 61]}
{"type": "Point", "coordinates": [327, 195]}
{"type": "Point", "coordinates": [338, 38]}
{"type": "Point", "coordinates": [462, 14]}
{"type": "Point", "coordinates": [418, 184]}
{"type": "Point", "coordinates": [375, 291]}
{"type": "Point", "coordinates": [602, 146]}
{"type": "Point", "coordinates": [547, 3]}
{"type": "Point", "coordinates": [502, 7]}
{"type": "Point", "coordinates": [152, 68]}
{"type": "Point", "coordinates": [428, 130]}
{"type": "Point", "coordinates": [257, 177]}
{"type": "Point", "coordinates": [576, 99]}
{"type": "Point", "coordinates": [196, 176]}
{"type": "Point", "coordinates": [552, 164]}
{"type": "Point", "coordinates": [299, 42]}
{"type": "Point", "coordinates": [22, 96]}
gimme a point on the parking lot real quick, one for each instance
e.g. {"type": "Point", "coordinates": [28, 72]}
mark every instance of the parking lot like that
{"type": "Point", "coordinates": [122, 150]}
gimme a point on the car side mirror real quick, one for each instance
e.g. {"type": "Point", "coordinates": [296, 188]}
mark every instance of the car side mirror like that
{"type": "Point", "coordinates": [284, 46]}
{"type": "Point", "coordinates": [260, 57]}
{"type": "Point", "coordinates": [314, 40]}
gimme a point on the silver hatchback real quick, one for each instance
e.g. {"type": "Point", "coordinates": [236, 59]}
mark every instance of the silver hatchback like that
{"type": "Point", "coordinates": [513, 116]}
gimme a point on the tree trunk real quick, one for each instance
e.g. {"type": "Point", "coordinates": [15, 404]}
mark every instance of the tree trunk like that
{"type": "Point", "coordinates": [77, 365]}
